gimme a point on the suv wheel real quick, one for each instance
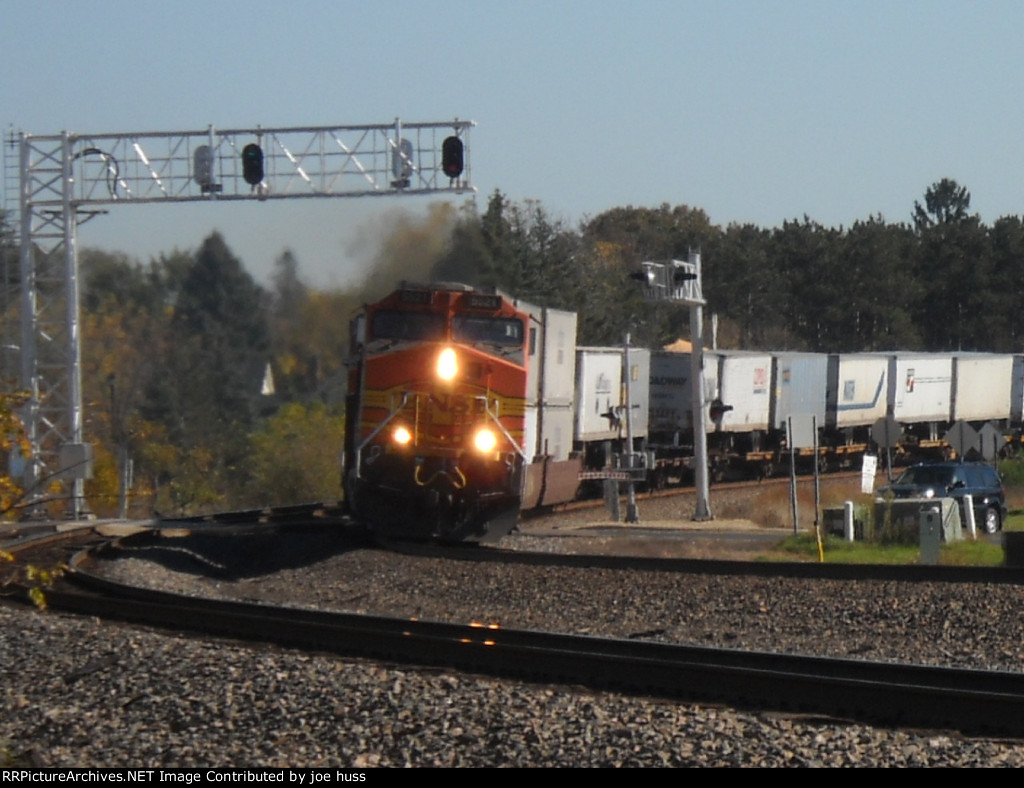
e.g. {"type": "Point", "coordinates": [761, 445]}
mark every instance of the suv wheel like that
{"type": "Point", "coordinates": [992, 520]}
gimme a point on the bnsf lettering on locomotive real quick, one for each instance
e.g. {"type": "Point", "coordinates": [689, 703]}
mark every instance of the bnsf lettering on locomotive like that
{"type": "Point", "coordinates": [668, 381]}
{"type": "Point", "coordinates": [451, 403]}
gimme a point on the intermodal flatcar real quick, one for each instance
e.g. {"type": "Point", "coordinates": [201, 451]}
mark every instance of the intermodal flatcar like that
{"type": "Point", "coordinates": [466, 406]}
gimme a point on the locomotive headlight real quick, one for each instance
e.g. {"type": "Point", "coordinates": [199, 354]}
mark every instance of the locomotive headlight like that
{"type": "Point", "coordinates": [485, 440]}
{"type": "Point", "coordinates": [402, 435]}
{"type": "Point", "coordinates": [447, 364]}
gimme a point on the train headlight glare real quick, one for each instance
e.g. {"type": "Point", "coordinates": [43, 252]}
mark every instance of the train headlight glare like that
{"type": "Point", "coordinates": [402, 435]}
{"type": "Point", "coordinates": [447, 365]}
{"type": "Point", "coordinates": [485, 440]}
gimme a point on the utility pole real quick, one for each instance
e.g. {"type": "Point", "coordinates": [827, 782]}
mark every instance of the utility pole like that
{"type": "Point", "coordinates": [632, 513]}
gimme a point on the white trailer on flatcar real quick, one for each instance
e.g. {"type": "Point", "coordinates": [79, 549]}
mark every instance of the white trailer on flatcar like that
{"type": "Point", "coordinates": [921, 388]}
{"type": "Point", "coordinates": [601, 381]}
{"type": "Point", "coordinates": [857, 391]}
{"type": "Point", "coordinates": [552, 472]}
{"type": "Point", "coordinates": [744, 388]}
{"type": "Point", "coordinates": [982, 387]}
{"type": "Point", "coordinates": [671, 395]}
{"type": "Point", "coordinates": [799, 387]}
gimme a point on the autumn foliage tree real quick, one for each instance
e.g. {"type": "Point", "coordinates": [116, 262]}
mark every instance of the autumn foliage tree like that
{"type": "Point", "coordinates": [12, 441]}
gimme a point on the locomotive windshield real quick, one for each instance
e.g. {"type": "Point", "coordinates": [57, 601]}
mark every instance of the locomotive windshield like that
{"type": "Point", "coordinates": [493, 330]}
{"type": "Point", "coordinates": [394, 324]}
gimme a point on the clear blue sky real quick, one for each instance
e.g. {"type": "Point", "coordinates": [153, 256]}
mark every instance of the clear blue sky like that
{"type": "Point", "coordinates": [754, 110]}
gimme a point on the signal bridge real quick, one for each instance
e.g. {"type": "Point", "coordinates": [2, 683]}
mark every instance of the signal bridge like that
{"type": "Point", "coordinates": [241, 164]}
{"type": "Point", "coordinates": [67, 179]}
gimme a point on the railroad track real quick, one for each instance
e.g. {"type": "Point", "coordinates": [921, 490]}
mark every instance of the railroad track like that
{"type": "Point", "coordinates": [671, 491]}
{"type": "Point", "coordinates": [317, 513]}
{"type": "Point", "coordinates": [971, 701]}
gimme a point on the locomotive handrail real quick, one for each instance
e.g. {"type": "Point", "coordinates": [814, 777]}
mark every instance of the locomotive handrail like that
{"type": "Point", "coordinates": [508, 436]}
{"type": "Point", "coordinates": [377, 431]}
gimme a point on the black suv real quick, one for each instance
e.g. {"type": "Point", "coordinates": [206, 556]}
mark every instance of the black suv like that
{"type": "Point", "coordinates": [955, 480]}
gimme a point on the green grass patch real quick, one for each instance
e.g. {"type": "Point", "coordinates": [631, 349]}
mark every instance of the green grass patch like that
{"type": "Point", "coordinates": [804, 547]}
{"type": "Point", "coordinates": [971, 553]}
{"type": "Point", "coordinates": [1012, 473]}
{"type": "Point", "coordinates": [1014, 520]}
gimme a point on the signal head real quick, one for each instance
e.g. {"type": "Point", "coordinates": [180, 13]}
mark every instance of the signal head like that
{"type": "Point", "coordinates": [452, 158]}
{"type": "Point", "coordinates": [647, 276]}
{"type": "Point", "coordinates": [252, 164]}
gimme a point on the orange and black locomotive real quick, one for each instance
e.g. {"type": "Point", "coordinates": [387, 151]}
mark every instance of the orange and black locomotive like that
{"type": "Point", "coordinates": [436, 411]}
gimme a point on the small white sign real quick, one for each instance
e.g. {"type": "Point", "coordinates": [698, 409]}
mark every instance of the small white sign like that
{"type": "Point", "coordinates": [802, 431]}
{"type": "Point", "coordinates": [867, 473]}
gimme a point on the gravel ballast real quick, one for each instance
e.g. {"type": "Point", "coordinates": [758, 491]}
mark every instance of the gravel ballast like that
{"type": "Point", "coordinates": [83, 693]}
{"type": "Point", "coordinates": [80, 692]}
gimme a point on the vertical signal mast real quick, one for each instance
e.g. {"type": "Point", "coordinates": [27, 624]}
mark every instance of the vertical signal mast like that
{"type": "Point", "coordinates": [68, 179]}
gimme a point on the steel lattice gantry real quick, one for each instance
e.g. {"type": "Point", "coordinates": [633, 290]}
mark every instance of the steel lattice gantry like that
{"type": "Point", "coordinates": [67, 179]}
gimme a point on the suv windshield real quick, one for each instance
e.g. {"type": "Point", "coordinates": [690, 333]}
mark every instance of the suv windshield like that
{"type": "Point", "coordinates": [924, 476]}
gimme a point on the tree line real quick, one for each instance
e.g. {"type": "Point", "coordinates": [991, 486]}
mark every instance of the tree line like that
{"type": "Point", "coordinates": [224, 392]}
{"type": "Point", "coordinates": [942, 280]}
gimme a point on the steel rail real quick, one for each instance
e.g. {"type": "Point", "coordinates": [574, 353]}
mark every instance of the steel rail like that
{"type": "Point", "coordinates": [909, 573]}
{"type": "Point", "coordinates": [329, 516]}
{"type": "Point", "coordinates": [316, 512]}
{"type": "Point", "coordinates": [971, 701]}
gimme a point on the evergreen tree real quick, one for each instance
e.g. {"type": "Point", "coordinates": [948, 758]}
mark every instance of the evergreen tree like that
{"type": "Point", "coordinates": [1002, 321]}
{"type": "Point", "coordinates": [208, 393]}
{"type": "Point", "coordinates": [945, 202]}
{"type": "Point", "coordinates": [874, 288]}
{"type": "Point", "coordinates": [953, 268]}
{"type": "Point", "coordinates": [743, 287]}
{"type": "Point", "coordinates": [616, 243]}
{"type": "Point", "coordinates": [295, 366]}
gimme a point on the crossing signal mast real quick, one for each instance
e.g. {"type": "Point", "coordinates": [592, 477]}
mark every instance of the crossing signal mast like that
{"type": "Point", "coordinates": [68, 179]}
{"type": "Point", "coordinates": [678, 281]}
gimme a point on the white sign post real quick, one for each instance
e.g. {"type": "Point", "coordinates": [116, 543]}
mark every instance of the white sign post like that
{"type": "Point", "coordinates": [868, 472]}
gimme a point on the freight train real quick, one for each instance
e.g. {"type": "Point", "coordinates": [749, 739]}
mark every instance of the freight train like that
{"type": "Point", "coordinates": [466, 406]}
